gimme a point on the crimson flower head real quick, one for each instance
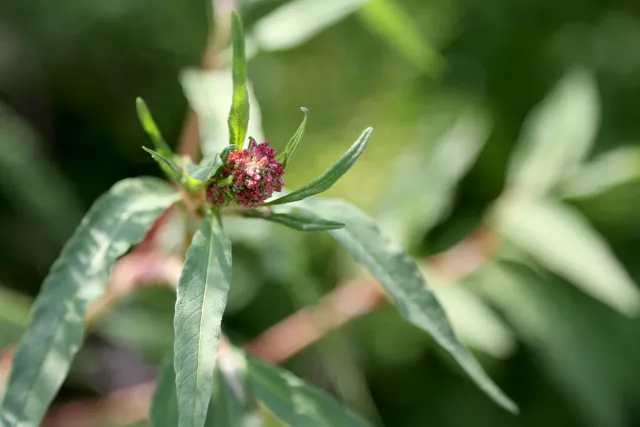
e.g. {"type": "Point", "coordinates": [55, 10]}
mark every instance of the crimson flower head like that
{"type": "Point", "coordinates": [255, 175]}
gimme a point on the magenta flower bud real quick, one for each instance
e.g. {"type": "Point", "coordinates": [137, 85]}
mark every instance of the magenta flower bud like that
{"type": "Point", "coordinates": [255, 173]}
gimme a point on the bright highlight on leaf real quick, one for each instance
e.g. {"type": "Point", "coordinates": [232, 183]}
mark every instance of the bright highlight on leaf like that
{"type": "Point", "coordinates": [239, 115]}
{"type": "Point", "coordinates": [285, 156]}
{"type": "Point", "coordinates": [118, 220]}
{"type": "Point", "coordinates": [327, 179]}
{"type": "Point", "coordinates": [202, 298]}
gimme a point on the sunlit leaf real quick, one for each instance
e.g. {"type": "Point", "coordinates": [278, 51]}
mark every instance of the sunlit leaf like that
{"type": "Point", "coordinates": [210, 94]}
{"type": "Point", "coordinates": [557, 135]}
{"type": "Point", "coordinates": [562, 240]}
{"type": "Point", "coordinates": [296, 403]}
{"type": "Point", "coordinates": [398, 29]}
{"type": "Point", "coordinates": [79, 276]}
{"type": "Point", "coordinates": [606, 172]}
{"type": "Point", "coordinates": [150, 127]}
{"type": "Point", "coordinates": [327, 179]}
{"type": "Point", "coordinates": [285, 156]}
{"type": "Point", "coordinates": [200, 304]}
{"type": "Point", "coordinates": [296, 22]}
{"type": "Point", "coordinates": [239, 114]}
{"type": "Point", "coordinates": [424, 179]}
{"type": "Point", "coordinates": [401, 278]}
{"type": "Point", "coordinates": [296, 218]}
{"type": "Point", "coordinates": [167, 165]}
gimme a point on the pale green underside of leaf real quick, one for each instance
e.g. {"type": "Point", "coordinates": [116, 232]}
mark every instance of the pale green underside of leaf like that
{"type": "Point", "coordinates": [239, 114]}
{"type": "Point", "coordinates": [402, 279]}
{"type": "Point", "coordinates": [392, 23]}
{"type": "Point", "coordinates": [291, 146]}
{"type": "Point", "coordinates": [296, 218]}
{"type": "Point", "coordinates": [559, 238]}
{"type": "Point", "coordinates": [556, 136]}
{"type": "Point", "coordinates": [327, 179]}
{"type": "Point", "coordinates": [201, 300]}
{"type": "Point", "coordinates": [295, 402]}
{"type": "Point", "coordinates": [150, 127]}
{"type": "Point", "coordinates": [79, 276]}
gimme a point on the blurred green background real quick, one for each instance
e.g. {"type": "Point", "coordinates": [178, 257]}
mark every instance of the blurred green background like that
{"type": "Point", "coordinates": [461, 94]}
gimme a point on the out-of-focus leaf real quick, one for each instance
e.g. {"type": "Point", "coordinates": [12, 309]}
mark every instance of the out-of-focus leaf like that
{"type": "Point", "coordinates": [239, 113]}
{"type": "Point", "coordinates": [198, 175]}
{"type": "Point", "coordinates": [200, 304]}
{"type": "Point", "coordinates": [575, 340]}
{"type": "Point", "coordinates": [294, 23]}
{"type": "Point", "coordinates": [168, 167]}
{"type": "Point", "coordinates": [31, 181]}
{"type": "Point", "coordinates": [557, 135]}
{"type": "Point", "coordinates": [164, 405]}
{"type": "Point", "coordinates": [424, 180]}
{"type": "Point", "coordinates": [285, 156]}
{"type": "Point", "coordinates": [475, 323]}
{"type": "Point", "coordinates": [79, 276]}
{"type": "Point", "coordinates": [210, 94]}
{"type": "Point", "coordinates": [150, 127]}
{"type": "Point", "coordinates": [562, 240]}
{"type": "Point", "coordinates": [14, 307]}
{"type": "Point", "coordinates": [606, 172]}
{"type": "Point", "coordinates": [396, 27]}
{"type": "Point", "coordinates": [296, 403]}
{"type": "Point", "coordinates": [296, 218]}
{"type": "Point", "coordinates": [402, 279]}
{"type": "Point", "coordinates": [327, 179]}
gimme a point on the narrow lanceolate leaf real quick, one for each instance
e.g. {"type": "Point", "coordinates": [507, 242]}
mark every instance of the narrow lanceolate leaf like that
{"type": "Point", "coordinates": [164, 406]}
{"type": "Point", "coordinates": [150, 127]}
{"type": "Point", "coordinates": [285, 157]}
{"type": "Point", "coordinates": [557, 135]}
{"type": "Point", "coordinates": [168, 167]}
{"type": "Point", "coordinates": [295, 402]}
{"type": "Point", "coordinates": [239, 114]}
{"type": "Point", "coordinates": [296, 218]}
{"type": "Point", "coordinates": [201, 300]}
{"type": "Point", "coordinates": [327, 179]}
{"type": "Point", "coordinates": [401, 278]}
{"type": "Point", "coordinates": [79, 276]}
{"type": "Point", "coordinates": [564, 242]}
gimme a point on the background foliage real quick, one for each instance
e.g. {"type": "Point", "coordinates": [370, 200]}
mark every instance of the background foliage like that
{"type": "Point", "coordinates": [458, 91]}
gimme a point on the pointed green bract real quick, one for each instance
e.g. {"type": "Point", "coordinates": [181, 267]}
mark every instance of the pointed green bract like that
{"type": "Point", "coordinates": [118, 220]}
{"type": "Point", "coordinates": [401, 278]}
{"type": "Point", "coordinates": [296, 218]}
{"type": "Point", "coordinates": [150, 127]}
{"type": "Point", "coordinates": [327, 179]}
{"type": "Point", "coordinates": [295, 402]}
{"type": "Point", "coordinates": [239, 114]}
{"type": "Point", "coordinates": [285, 156]}
{"type": "Point", "coordinates": [168, 167]}
{"type": "Point", "coordinates": [200, 304]}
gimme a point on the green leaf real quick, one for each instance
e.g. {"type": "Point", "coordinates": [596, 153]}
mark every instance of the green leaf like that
{"type": "Point", "coordinates": [285, 156]}
{"type": "Point", "coordinates": [164, 405]}
{"type": "Point", "coordinates": [149, 126]}
{"type": "Point", "coordinates": [200, 304]}
{"type": "Point", "coordinates": [295, 22]}
{"type": "Point", "coordinates": [118, 220]}
{"type": "Point", "coordinates": [210, 95]}
{"type": "Point", "coordinates": [168, 167]}
{"type": "Point", "coordinates": [425, 178]}
{"type": "Point", "coordinates": [296, 218]}
{"type": "Point", "coordinates": [239, 114]}
{"type": "Point", "coordinates": [557, 136]}
{"type": "Point", "coordinates": [400, 276]}
{"type": "Point", "coordinates": [327, 179]}
{"type": "Point", "coordinates": [559, 238]}
{"type": "Point", "coordinates": [394, 25]}
{"type": "Point", "coordinates": [296, 403]}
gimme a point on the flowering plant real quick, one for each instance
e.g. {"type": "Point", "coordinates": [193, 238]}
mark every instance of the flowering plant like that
{"type": "Point", "coordinates": [206, 380]}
